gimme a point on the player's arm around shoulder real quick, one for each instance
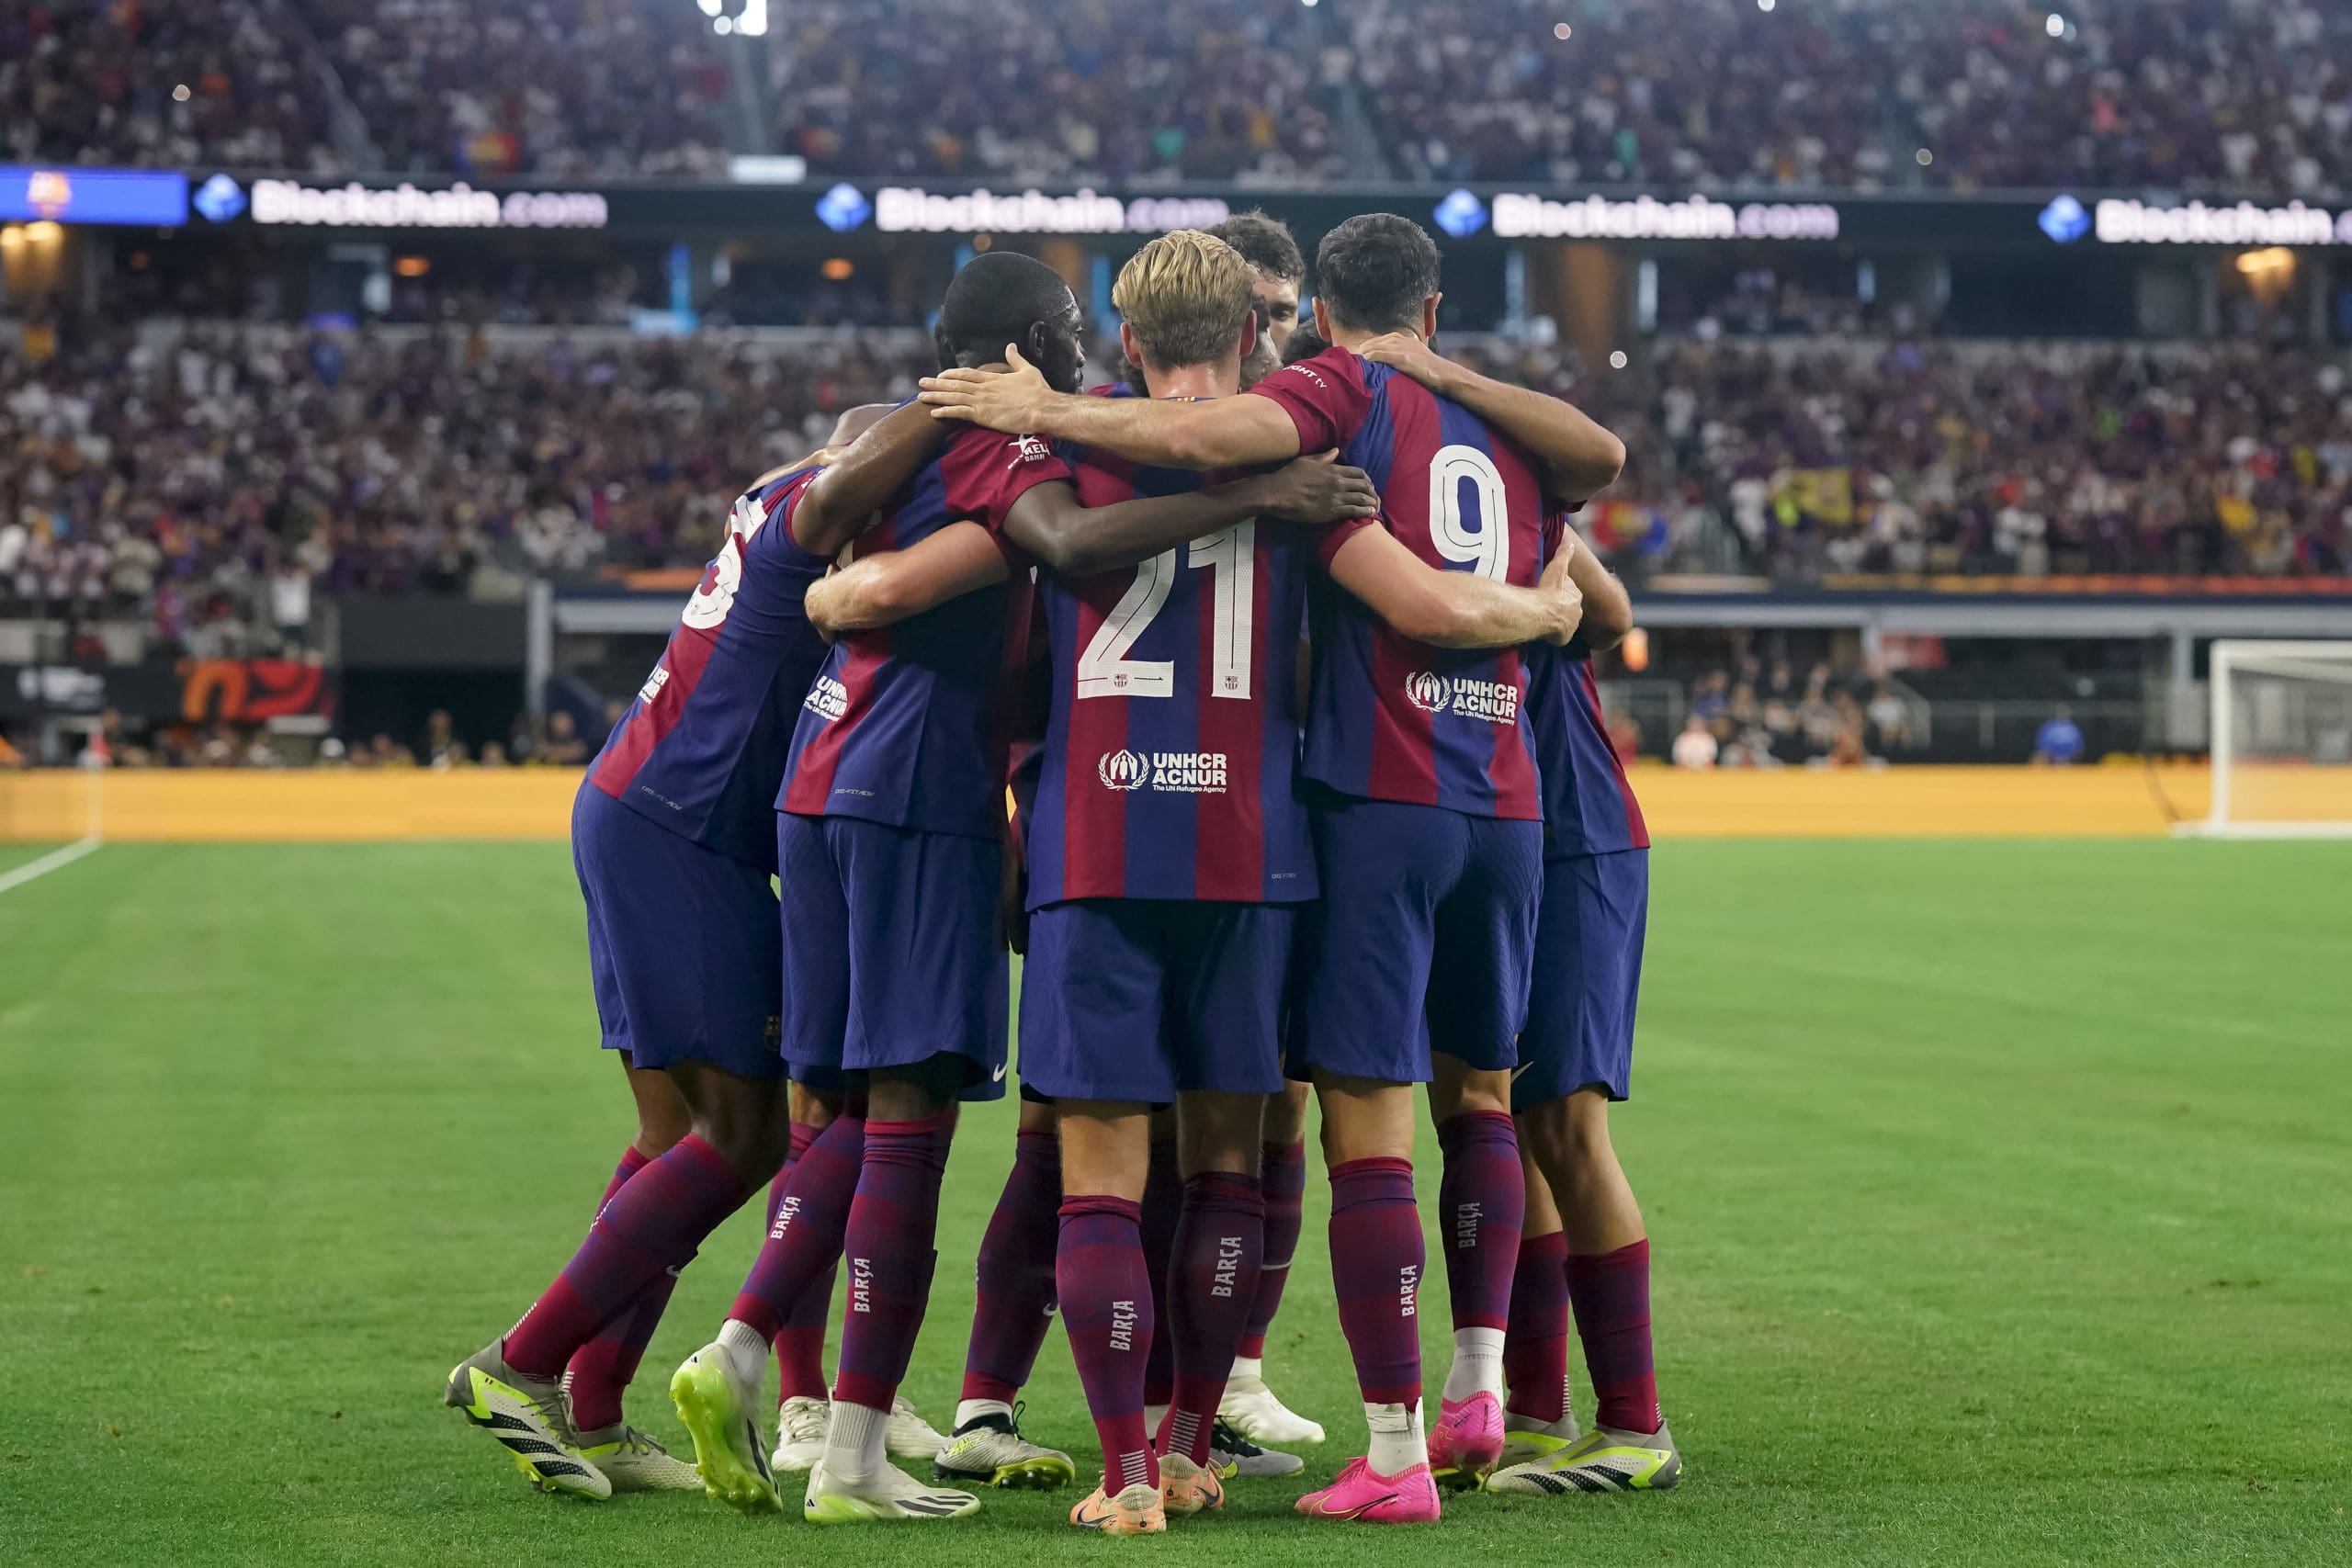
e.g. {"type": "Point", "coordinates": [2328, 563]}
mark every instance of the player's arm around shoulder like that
{"type": "Point", "coordinates": [1454, 609]}
{"type": "Point", "coordinates": [1578, 458]}
{"type": "Point", "coordinates": [1077, 540]}
{"type": "Point", "coordinates": [863, 478]}
{"type": "Point", "coordinates": [883, 589]}
{"type": "Point", "coordinates": [1608, 608]}
{"type": "Point", "coordinates": [1218, 433]}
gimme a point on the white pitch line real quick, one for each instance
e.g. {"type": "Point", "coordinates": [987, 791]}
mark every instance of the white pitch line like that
{"type": "Point", "coordinates": [48, 863]}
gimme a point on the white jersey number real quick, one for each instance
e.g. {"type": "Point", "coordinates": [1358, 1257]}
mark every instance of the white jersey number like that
{"type": "Point", "coordinates": [1105, 671]}
{"type": "Point", "coordinates": [1488, 548]}
{"type": "Point", "coordinates": [716, 595]}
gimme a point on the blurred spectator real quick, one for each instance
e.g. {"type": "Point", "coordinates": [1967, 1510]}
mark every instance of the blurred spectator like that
{"type": "Point", "coordinates": [1695, 747]}
{"type": "Point", "coordinates": [2059, 742]}
{"type": "Point", "coordinates": [564, 748]}
{"type": "Point", "coordinates": [289, 605]}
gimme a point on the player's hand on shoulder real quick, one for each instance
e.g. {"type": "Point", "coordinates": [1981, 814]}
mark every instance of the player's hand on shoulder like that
{"type": "Point", "coordinates": [1410, 355]}
{"type": "Point", "coordinates": [823, 602]}
{"type": "Point", "coordinates": [1556, 583]}
{"type": "Point", "coordinates": [1011, 397]}
{"type": "Point", "coordinates": [1318, 489]}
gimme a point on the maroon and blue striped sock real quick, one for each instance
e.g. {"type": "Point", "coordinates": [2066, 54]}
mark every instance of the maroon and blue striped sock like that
{"type": "Point", "coordinates": [1535, 1350]}
{"type": "Point", "coordinates": [893, 1218]}
{"type": "Point", "coordinates": [600, 1371]}
{"type": "Point", "coordinates": [801, 1341]}
{"type": "Point", "coordinates": [1282, 1175]}
{"type": "Point", "coordinates": [651, 1228]}
{"type": "Point", "coordinates": [1220, 1246]}
{"type": "Point", "coordinates": [1482, 1200]}
{"type": "Point", "coordinates": [1164, 1204]}
{"type": "Point", "coordinates": [1105, 1292]}
{"type": "Point", "coordinates": [804, 1240]}
{"type": "Point", "coordinates": [1378, 1255]}
{"type": "Point", "coordinates": [1015, 1306]}
{"type": "Point", "coordinates": [1611, 1294]}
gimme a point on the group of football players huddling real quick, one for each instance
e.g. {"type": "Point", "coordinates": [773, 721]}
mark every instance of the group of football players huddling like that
{"type": "Point", "coordinates": [1251, 699]}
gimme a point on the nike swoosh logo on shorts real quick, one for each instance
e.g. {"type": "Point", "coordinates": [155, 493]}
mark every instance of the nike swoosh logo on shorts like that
{"type": "Point", "coordinates": [997, 1076]}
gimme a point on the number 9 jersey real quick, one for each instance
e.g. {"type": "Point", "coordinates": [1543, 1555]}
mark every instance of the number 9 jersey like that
{"type": "Point", "coordinates": [1171, 750]}
{"type": "Point", "coordinates": [1390, 719]}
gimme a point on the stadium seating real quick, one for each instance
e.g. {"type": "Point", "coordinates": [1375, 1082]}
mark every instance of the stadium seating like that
{"type": "Point", "coordinates": [2243, 96]}
{"type": "Point", "coordinates": [400, 461]}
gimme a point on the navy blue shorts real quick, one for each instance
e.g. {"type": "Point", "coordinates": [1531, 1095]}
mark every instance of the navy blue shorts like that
{"type": "Point", "coordinates": [681, 944]}
{"type": "Point", "coordinates": [1147, 998]}
{"type": "Point", "coordinates": [1422, 942]}
{"type": "Point", "coordinates": [1588, 977]}
{"type": "Point", "coordinates": [891, 949]}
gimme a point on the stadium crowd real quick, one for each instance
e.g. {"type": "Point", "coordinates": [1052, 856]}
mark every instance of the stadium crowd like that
{"type": "Point", "coordinates": [1912, 457]}
{"type": "Point", "coordinates": [1049, 89]}
{"type": "Point", "coordinates": [177, 479]}
{"type": "Point", "coordinates": [2207, 95]}
{"type": "Point", "coordinates": [2176, 94]}
{"type": "Point", "coordinates": [195, 482]}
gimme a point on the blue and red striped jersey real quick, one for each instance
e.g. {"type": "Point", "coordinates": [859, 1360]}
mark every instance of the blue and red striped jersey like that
{"type": "Point", "coordinates": [702, 749]}
{"type": "Point", "coordinates": [1172, 740]}
{"type": "Point", "coordinates": [903, 724]}
{"type": "Point", "coordinates": [1390, 719]}
{"type": "Point", "coordinates": [1588, 805]}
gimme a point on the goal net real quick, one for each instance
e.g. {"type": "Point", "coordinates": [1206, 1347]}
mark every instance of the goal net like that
{"type": "Point", "coordinates": [2282, 741]}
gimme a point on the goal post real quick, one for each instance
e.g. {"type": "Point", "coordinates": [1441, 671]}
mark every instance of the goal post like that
{"type": "Point", "coordinates": [2281, 737]}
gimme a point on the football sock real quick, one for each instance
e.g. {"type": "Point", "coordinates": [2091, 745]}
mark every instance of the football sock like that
{"type": "Point", "coordinates": [600, 1371]}
{"type": "Point", "coordinates": [970, 1410]}
{"type": "Point", "coordinates": [1282, 1175]}
{"type": "Point", "coordinates": [1376, 1260]}
{"type": "Point", "coordinates": [652, 1225]}
{"type": "Point", "coordinates": [1015, 1303]}
{"type": "Point", "coordinates": [887, 1246]}
{"type": "Point", "coordinates": [1106, 1308]}
{"type": "Point", "coordinates": [801, 1340]}
{"type": "Point", "coordinates": [1398, 1442]}
{"type": "Point", "coordinates": [1611, 1294]}
{"type": "Point", "coordinates": [1163, 1203]}
{"type": "Point", "coordinates": [1220, 1240]}
{"type": "Point", "coordinates": [1535, 1355]}
{"type": "Point", "coordinates": [855, 1439]}
{"type": "Point", "coordinates": [1482, 1200]}
{"type": "Point", "coordinates": [1478, 1364]}
{"type": "Point", "coordinates": [804, 1237]}
{"type": "Point", "coordinates": [745, 1349]}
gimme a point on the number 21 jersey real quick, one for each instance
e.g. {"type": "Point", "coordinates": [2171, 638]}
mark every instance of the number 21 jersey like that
{"type": "Point", "coordinates": [1172, 746]}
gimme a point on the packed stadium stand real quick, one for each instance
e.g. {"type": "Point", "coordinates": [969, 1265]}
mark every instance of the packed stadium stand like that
{"type": "Point", "coordinates": [2201, 95]}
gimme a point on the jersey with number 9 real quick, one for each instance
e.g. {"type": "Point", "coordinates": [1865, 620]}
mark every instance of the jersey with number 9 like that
{"type": "Point", "coordinates": [1171, 745]}
{"type": "Point", "coordinates": [1390, 719]}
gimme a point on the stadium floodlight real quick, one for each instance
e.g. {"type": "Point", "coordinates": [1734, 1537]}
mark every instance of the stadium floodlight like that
{"type": "Point", "coordinates": [2281, 737]}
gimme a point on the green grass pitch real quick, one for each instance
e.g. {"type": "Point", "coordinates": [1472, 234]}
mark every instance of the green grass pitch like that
{"type": "Point", "coordinates": [1999, 1193]}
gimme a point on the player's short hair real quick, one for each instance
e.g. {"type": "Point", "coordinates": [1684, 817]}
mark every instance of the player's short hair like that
{"type": "Point", "coordinates": [1186, 294]}
{"type": "Point", "coordinates": [1305, 343]}
{"type": "Point", "coordinates": [1373, 271]}
{"type": "Point", "coordinates": [1264, 243]}
{"type": "Point", "coordinates": [994, 300]}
